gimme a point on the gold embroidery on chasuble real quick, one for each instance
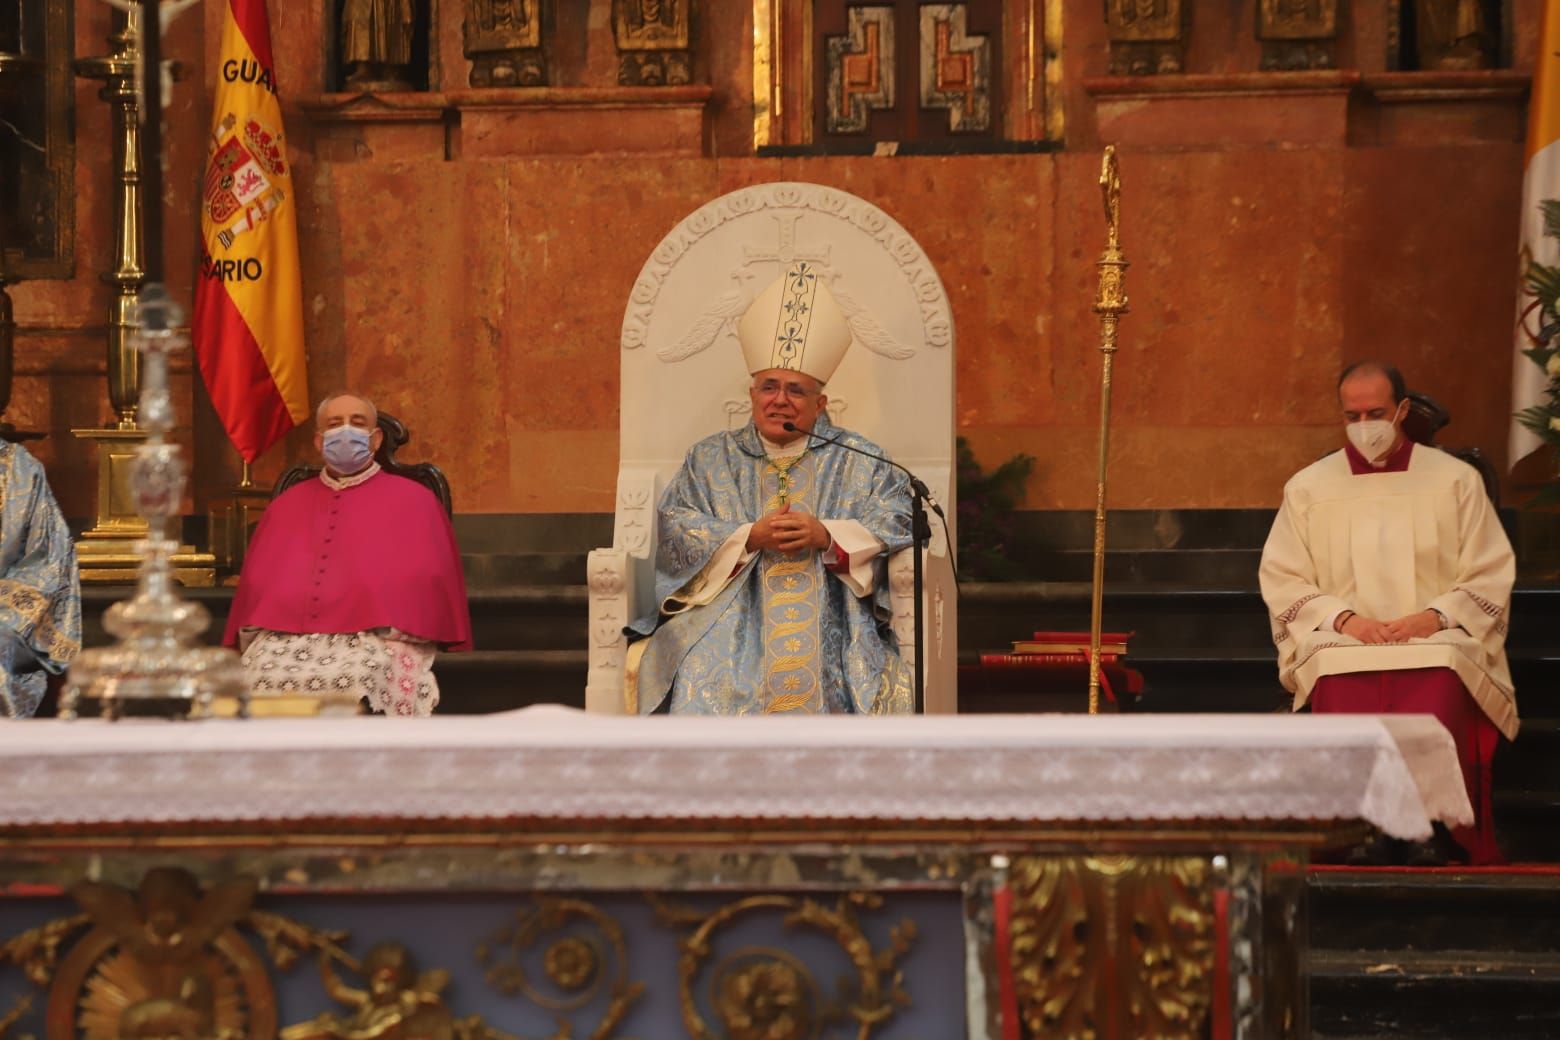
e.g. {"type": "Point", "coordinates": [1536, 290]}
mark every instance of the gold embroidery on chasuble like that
{"type": "Point", "coordinates": [791, 595]}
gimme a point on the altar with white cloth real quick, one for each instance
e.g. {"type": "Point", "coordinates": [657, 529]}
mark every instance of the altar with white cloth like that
{"type": "Point", "coordinates": [583, 875]}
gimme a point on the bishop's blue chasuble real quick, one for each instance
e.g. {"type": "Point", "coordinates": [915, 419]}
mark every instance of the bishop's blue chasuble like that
{"type": "Point", "coordinates": [784, 634]}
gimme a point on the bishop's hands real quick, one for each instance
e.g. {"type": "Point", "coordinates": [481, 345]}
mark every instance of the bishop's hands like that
{"type": "Point", "coordinates": [785, 531]}
{"type": "Point", "coordinates": [1417, 625]}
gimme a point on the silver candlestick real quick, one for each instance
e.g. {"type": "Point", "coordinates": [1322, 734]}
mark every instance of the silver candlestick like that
{"type": "Point", "coordinates": [157, 667]}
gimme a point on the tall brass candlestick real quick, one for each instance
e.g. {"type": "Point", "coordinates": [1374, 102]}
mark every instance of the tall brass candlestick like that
{"type": "Point", "coordinates": [117, 71]}
{"type": "Point", "coordinates": [109, 551]}
{"type": "Point", "coordinates": [158, 666]}
{"type": "Point", "coordinates": [1110, 305]}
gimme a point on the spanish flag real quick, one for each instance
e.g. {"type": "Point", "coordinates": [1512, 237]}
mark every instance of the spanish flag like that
{"type": "Point", "coordinates": [1539, 273]}
{"type": "Point", "coordinates": [248, 299]}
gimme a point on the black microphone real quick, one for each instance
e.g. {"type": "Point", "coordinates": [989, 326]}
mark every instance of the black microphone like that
{"type": "Point", "coordinates": [915, 482]}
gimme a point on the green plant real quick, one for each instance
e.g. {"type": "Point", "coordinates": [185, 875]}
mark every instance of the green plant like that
{"type": "Point", "coordinates": [1542, 282]}
{"type": "Point", "coordinates": [987, 506]}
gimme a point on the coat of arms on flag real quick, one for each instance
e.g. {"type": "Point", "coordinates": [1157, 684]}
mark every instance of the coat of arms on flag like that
{"type": "Point", "coordinates": [242, 177]}
{"type": "Point", "coordinates": [248, 325]}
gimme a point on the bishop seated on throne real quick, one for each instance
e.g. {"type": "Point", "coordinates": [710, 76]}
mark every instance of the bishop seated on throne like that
{"type": "Point", "coordinates": [770, 582]}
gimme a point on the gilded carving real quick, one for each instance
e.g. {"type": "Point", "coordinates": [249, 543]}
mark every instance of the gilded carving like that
{"type": "Point", "coordinates": [763, 993]}
{"type": "Point", "coordinates": [398, 1002]}
{"type": "Point", "coordinates": [503, 39]}
{"type": "Point", "coordinates": [168, 960]}
{"type": "Point", "coordinates": [570, 963]}
{"type": "Point", "coordinates": [1103, 939]}
{"type": "Point", "coordinates": [582, 951]}
{"type": "Point", "coordinates": [652, 41]}
{"type": "Point", "coordinates": [1147, 37]}
{"type": "Point", "coordinates": [1453, 34]}
{"type": "Point", "coordinates": [9, 1019]}
{"type": "Point", "coordinates": [767, 995]}
{"type": "Point", "coordinates": [376, 44]}
{"type": "Point", "coordinates": [169, 954]}
{"type": "Point", "coordinates": [1298, 34]}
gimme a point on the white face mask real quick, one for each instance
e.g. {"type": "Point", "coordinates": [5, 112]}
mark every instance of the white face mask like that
{"type": "Point", "coordinates": [1372, 438]}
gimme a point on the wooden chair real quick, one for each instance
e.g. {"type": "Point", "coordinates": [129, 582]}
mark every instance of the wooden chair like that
{"type": "Point", "coordinates": [1426, 418]}
{"type": "Point", "coordinates": [395, 438]}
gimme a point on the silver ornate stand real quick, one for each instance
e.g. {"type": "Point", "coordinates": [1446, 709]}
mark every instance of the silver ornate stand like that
{"type": "Point", "coordinates": [157, 667]}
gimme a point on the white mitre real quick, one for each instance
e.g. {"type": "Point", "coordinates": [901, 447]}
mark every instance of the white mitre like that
{"type": "Point", "coordinates": [795, 324]}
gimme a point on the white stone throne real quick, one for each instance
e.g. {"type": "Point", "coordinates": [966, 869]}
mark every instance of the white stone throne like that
{"type": "Point", "coordinates": [683, 378]}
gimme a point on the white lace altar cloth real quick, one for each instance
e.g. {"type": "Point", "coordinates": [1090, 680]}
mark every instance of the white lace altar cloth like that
{"type": "Point", "coordinates": [1397, 772]}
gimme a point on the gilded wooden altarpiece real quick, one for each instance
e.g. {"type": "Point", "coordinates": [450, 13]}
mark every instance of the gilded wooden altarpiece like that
{"type": "Point", "coordinates": [892, 75]}
{"type": "Point", "coordinates": [499, 935]}
{"type": "Point", "coordinates": [37, 141]}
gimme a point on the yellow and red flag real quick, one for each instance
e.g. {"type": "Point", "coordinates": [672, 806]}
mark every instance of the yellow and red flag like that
{"type": "Point", "coordinates": [249, 299]}
{"type": "Point", "coordinates": [1539, 290]}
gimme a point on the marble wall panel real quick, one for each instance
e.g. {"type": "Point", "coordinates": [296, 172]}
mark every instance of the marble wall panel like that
{"type": "Point", "coordinates": [1429, 276]}
{"type": "Point", "coordinates": [369, 141]}
{"type": "Point", "coordinates": [1192, 123]}
{"type": "Point", "coordinates": [1234, 286]}
{"type": "Point", "coordinates": [1153, 466]}
{"type": "Point", "coordinates": [552, 471]}
{"type": "Point", "coordinates": [1526, 16]}
{"type": "Point", "coordinates": [625, 129]}
{"type": "Point", "coordinates": [730, 72]}
{"type": "Point", "coordinates": [985, 222]}
{"type": "Point", "coordinates": [423, 285]}
{"type": "Point", "coordinates": [571, 262]}
{"type": "Point", "coordinates": [302, 39]}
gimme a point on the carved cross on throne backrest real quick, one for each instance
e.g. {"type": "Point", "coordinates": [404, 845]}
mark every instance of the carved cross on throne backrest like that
{"type": "Point", "coordinates": [682, 371]}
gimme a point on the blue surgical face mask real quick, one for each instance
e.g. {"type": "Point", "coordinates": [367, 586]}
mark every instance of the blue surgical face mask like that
{"type": "Point", "coordinates": [346, 449]}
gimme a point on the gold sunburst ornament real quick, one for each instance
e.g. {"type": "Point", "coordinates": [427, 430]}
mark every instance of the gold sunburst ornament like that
{"type": "Point", "coordinates": [169, 959]}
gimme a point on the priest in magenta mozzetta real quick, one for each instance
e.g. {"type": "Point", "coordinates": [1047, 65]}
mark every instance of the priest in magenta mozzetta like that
{"type": "Point", "coordinates": [770, 565]}
{"type": "Point", "coordinates": [353, 580]}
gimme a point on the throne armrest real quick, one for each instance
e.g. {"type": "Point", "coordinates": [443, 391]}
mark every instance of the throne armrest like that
{"type": "Point", "coordinates": [621, 584]}
{"type": "Point", "coordinates": [610, 579]}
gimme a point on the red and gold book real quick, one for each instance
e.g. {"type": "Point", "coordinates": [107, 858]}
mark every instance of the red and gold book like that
{"type": "Point", "coordinates": [1068, 642]}
{"type": "Point", "coordinates": [1078, 658]}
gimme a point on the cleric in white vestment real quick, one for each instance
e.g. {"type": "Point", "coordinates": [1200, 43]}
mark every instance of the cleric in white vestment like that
{"type": "Point", "coordinates": [771, 564]}
{"type": "Point", "coordinates": [1388, 578]}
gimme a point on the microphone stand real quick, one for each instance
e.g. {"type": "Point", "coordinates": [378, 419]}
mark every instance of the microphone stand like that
{"type": "Point", "coordinates": [920, 536]}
